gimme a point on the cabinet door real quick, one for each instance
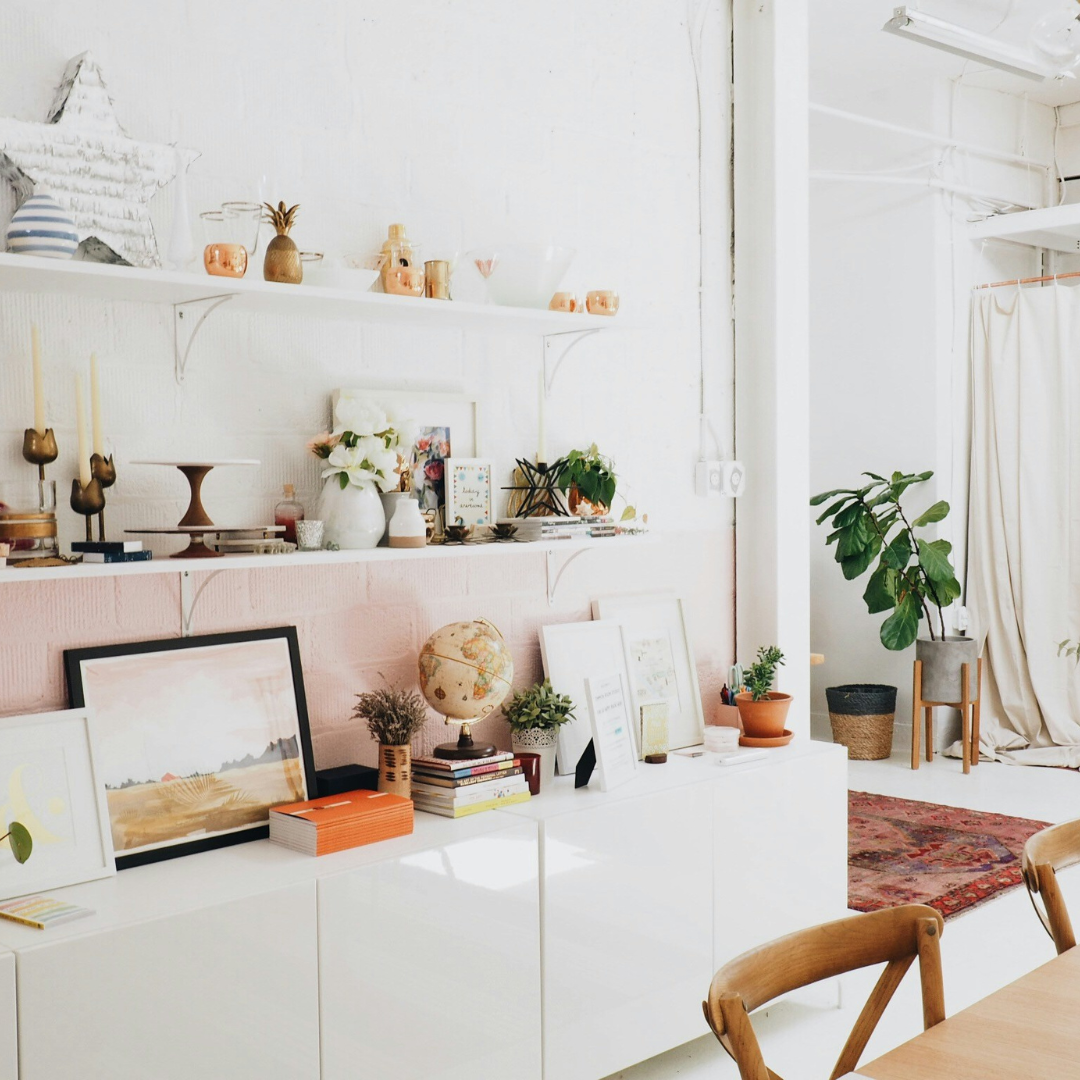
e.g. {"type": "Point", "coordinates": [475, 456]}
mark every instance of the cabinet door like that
{"type": "Point", "coordinates": [429, 964]}
{"type": "Point", "coordinates": [224, 991]}
{"type": "Point", "coordinates": [9, 1048]}
{"type": "Point", "coordinates": [781, 850]}
{"type": "Point", "coordinates": [627, 909]}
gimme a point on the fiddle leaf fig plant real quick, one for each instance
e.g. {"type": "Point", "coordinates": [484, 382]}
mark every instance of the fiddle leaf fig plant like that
{"type": "Point", "coordinates": [913, 574]}
{"type": "Point", "coordinates": [19, 840]}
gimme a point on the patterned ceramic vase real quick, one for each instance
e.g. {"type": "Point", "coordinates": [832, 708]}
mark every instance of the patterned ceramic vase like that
{"type": "Point", "coordinates": [41, 226]}
{"type": "Point", "coordinates": [542, 741]}
{"type": "Point", "coordinates": [395, 769]}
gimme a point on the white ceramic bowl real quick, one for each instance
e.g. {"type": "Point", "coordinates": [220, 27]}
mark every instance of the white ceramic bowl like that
{"type": "Point", "coordinates": [525, 275]}
{"type": "Point", "coordinates": [719, 740]}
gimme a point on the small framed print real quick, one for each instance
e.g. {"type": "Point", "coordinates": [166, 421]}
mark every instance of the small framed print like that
{"type": "Point", "coordinates": [468, 491]}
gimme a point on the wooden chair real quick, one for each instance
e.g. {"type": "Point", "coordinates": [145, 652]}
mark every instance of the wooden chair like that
{"type": "Point", "coordinates": [893, 937]}
{"type": "Point", "coordinates": [1045, 854]}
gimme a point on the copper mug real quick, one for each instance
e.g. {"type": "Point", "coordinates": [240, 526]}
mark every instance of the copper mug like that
{"type": "Point", "coordinates": [602, 302]}
{"type": "Point", "coordinates": [564, 301]}
{"type": "Point", "coordinates": [225, 260]}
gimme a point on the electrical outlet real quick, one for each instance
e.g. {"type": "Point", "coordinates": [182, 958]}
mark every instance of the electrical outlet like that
{"type": "Point", "coordinates": [720, 478]}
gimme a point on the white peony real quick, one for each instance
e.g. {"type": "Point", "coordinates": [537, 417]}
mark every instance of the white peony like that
{"type": "Point", "coordinates": [360, 415]}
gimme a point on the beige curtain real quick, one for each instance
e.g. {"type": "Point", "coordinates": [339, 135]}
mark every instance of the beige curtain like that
{"type": "Point", "coordinates": [1023, 586]}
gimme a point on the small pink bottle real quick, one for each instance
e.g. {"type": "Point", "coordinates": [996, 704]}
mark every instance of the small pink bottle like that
{"type": "Point", "coordinates": [288, 512]}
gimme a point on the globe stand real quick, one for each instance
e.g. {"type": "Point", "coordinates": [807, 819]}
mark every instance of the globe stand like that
{"type": "Point", "coordinates": [465, 749]}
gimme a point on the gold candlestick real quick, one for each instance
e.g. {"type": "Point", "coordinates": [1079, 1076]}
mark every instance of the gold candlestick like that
{"type": "Point", "coordinates": [88, 501]}
{"type": "Point", "coordinates": [104, 472]}
{"type": "Point", "coordinates": [38, 449]}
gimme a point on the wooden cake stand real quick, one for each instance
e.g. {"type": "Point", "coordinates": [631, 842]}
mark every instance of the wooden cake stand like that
{"type": "Point", "coordinates": [195, 523]}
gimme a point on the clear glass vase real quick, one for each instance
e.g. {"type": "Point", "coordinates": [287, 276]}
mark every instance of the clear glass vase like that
{"type": "Point", "coordinates": [28, 518]}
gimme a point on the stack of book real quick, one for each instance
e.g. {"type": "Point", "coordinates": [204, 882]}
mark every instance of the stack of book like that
{"type": "Point", "coordinates": [338, 822]}
{"type": "Point", "coordinates": [547, 527]}
{"type": "Point", "coordinates": [457, 788]}
{"type": "Point", "coordinates": [601, 525]}
{"type": "Point", "coordinates": [111, 551]}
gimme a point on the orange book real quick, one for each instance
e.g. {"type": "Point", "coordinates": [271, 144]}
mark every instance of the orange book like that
{"type": "Point", "coordinates": [338, 822]}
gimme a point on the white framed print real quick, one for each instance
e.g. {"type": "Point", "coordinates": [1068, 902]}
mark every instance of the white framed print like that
{"type": "Point", "coordinates": [612, 730]}
{"type": "Point", "coordinates": [572, 653]}
{"type": "Point", "coordinates": [659, 660]}
{"type": "Point", "coordinates": [468, 491]}
{"type": "Point", "coordinates": [49, 783]}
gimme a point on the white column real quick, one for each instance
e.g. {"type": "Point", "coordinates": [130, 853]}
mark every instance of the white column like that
{"type": "Point", "coordinates": [771, 331]}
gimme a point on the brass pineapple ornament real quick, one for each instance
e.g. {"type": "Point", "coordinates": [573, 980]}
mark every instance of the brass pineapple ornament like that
{"type": "Point", "coordinates": [282, 261]}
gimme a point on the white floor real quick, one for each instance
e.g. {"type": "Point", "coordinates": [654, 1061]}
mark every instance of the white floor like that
{"type": "Point", "coordinates": [981, 950]}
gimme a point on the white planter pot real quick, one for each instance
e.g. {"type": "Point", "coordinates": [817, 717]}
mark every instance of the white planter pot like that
{"type": "Point", "coordinates": [389, 500]}
{"type": "Point", "coordinates": [354, 515]}
{"type": "Point", "coordinates": [540, 741]}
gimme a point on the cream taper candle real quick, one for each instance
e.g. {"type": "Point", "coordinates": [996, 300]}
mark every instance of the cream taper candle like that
{"type": "Point", "coordinates": [80, 422]}
{"type": "Point", "coordinates": [95, 407]}
{"type": "Point", "coordinates": [541, 443]}
{"type": "Point", "coordinates": [39, 385]}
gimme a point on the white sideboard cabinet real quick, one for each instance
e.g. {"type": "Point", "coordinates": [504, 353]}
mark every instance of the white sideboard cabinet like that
{"type": "Point", "coordinates": [562, 939]}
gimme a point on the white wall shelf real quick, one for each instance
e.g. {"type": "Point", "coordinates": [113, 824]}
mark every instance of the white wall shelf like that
{"type": "Point", "coordinates": [28, 273]}
{"type": "Point", "coordinates": [1056, 228]}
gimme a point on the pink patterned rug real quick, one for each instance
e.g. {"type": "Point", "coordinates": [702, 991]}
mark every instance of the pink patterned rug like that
{"type": "Point", "coordinates": [905, 852]}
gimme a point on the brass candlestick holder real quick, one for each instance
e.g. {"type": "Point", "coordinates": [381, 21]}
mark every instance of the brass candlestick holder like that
{"type": "Point", "coordinates": [39, 450]}
{"type": "Point", "coordinates": [88, 501]}
{"type": "Point", "coordinates": [104, 472]}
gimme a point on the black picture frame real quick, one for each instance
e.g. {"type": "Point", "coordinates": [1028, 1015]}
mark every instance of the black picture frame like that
{"type": "Point", "coordinates": [73, 670]}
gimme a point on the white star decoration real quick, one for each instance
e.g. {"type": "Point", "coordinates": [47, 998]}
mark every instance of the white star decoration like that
{"type": "Point", "coordinates": [87, 162]}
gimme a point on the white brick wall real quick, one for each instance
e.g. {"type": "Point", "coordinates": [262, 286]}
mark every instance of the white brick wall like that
{"type": "Point", "coordinates": [471, 121]}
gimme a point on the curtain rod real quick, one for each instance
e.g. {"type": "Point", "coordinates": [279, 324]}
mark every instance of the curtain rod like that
{"type": "Point", "coordinates": [1027, 281]}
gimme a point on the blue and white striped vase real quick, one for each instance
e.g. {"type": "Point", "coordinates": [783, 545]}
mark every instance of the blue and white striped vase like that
{"type": "Point", "coordinates": [41, 226]}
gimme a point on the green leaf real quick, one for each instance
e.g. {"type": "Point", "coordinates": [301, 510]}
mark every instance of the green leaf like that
{"type": "Point", "coordinates": [880, 592]}
{"type": "Point", "coordinates": [934, 559]}
{"type": "Point", "coordinates": [898, 554]}
{"type": "Point", "coordinates": [343, 480]}
{"type": "Point", "coordinates": [20, 840]}
{"type": "Point", "coordinates": [901, 628]}
{"type": "Point", "coordinates": [835, 508]}
{"type": "Point", "coordinates": [854, 565]}
{"type": "Point", "coordinates": [628, 514]}
{"type": "Point", "coordinates": [853, 539]}
{"type": "Point", "coordinates": [874, 476]}
{"type": "Point", "coordinates": [817, 500]}
{"type": "Point", "coordinates": [936, 513]}
{"type": "Point", "coordinates": [848, 516]}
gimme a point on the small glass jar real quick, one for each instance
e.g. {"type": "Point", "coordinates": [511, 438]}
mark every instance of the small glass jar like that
{"type": "Point", "coordinates": [28, 518]}
{"type": "Point", "coordinates": [288, 512]}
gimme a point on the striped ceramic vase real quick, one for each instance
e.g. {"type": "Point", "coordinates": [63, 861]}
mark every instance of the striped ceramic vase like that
{"type": "Point", "coordinates": [41, 226]}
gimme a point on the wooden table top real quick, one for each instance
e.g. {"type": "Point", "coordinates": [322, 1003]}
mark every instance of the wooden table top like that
{"type": "Point", "coordinates": [1028, 1030]}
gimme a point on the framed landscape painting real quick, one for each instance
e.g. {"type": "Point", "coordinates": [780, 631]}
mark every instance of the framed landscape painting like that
{"type": "Point", "coordinates": [196, 738]}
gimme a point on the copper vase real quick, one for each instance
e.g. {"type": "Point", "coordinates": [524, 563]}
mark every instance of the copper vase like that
{"type": "Point", "coordinates": [282, 261]}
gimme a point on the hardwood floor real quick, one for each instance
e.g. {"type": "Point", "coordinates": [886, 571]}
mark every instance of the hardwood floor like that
{"type": "Point", "coordinates": [981, 950]}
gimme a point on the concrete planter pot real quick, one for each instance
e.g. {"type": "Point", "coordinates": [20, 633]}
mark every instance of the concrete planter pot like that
{"type": "Point", "coordinates": [942, 664]}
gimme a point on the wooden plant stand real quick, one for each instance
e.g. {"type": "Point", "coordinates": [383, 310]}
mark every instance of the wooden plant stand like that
{"type": "Point", "coordinates": [969, 717]}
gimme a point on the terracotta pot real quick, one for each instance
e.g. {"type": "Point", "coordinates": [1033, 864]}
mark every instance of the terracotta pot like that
{"type": "Point", "coordinates": [395, 770]}
{"type": "Point", "coordinates": [763, 719]}
{"type": "Point", "coordinates": [578, 504]}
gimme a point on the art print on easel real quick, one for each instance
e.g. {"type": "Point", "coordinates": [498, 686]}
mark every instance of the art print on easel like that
{"type": "Point", "coordinates": [197, 737]}
{"type": "Point", "coordinates": [468, 492]}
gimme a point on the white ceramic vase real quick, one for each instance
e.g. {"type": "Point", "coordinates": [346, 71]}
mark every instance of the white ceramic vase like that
{"type": "Point", "coordinates": [540, 741]}
{"type": "Point", "coordinates": [354, 515]}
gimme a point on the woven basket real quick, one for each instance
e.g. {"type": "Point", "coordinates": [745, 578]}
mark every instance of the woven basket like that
{"type": "Point", "coordinates": [862, 719]}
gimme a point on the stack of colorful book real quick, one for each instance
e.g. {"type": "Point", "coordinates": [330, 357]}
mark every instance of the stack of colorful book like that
{"type": "Point", "coordinates": [457, 788]}
{"type": "Point", "coordinates": [547, 527]}
{"type": "Point", "coordinates": [111, 551]}
{"type": "Point", "coordinates": [338, 822]}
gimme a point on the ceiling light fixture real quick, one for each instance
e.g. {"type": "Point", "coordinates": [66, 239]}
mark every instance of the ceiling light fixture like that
{"type": "Point", "coordinates": [960, 41]}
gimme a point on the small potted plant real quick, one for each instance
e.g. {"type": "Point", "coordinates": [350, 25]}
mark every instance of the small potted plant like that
{"type": "Point", "coordinates": [587, 479]}
{"type": "Point", "coordinates": [19, 840]}
{"type": "Point", "coordinates": [535, 716]}
{"type": "Point", "coordinates": [762, 709]}
{"type": "Point", "coordinates": [393, 717]}
{"type": "Point", "coordinates": [913, 579]}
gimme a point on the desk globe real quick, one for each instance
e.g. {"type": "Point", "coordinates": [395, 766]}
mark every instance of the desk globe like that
{"type": "Point", "coordinates": [466, 671]}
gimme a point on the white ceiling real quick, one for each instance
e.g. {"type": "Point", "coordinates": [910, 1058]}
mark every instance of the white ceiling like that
{"type": "Point", "coordinates": [849, 51]}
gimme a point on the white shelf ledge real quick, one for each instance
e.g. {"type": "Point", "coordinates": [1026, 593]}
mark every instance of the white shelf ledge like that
{"type": "Point", "coordinates": [165, 565]}
{"type": "Point", "coordinates": [1056, 228]}
{"type": "Point", "coordinates": [103, 282]}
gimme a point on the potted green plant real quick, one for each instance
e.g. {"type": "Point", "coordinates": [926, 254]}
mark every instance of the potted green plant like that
{"type": "Point", "coordinates": [588, 480]}
{"type": "Point", "coordinates": [535, 716]}
{"type": "Point", "coordinates": [19, 840]}
{"type": "Point", "coordinates": [762, 709]}
{"type": "Point", "coordinates": [913, 579]}
{"type": "Point", "coordinates": [393, 717]}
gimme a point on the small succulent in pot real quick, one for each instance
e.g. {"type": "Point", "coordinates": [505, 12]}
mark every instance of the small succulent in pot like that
{"type": "Point", "coordinates": [539, 707]}
{"type": "Point", "coordinates": [763, 710]}
{"type": "Point", "coordinates": [759, 677]}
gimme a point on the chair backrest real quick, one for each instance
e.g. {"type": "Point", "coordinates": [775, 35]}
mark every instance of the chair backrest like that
{"type": "Point", "coordinates": [1045, 854]}
{"type": "Point", "coordinates": [893, 937]}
